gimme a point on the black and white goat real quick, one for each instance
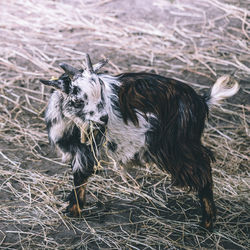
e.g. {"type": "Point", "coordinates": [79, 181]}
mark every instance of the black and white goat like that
{"type": "Point", "coordinates": [146, 118]}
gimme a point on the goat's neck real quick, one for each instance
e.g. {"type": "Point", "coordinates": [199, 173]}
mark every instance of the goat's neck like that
{"type": "Point", "coordinates": [111, 95]}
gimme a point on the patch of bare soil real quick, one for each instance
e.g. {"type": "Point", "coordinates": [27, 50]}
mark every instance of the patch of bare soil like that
{"type": "Point", "coordinates": [194, 41]}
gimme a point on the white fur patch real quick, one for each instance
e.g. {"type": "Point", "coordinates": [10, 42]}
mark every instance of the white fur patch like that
{"type": "Point", "coordinates": [77, 163]}
{"type": "Point", "coordinates": [53, 111]}
{"type": "Point", "coordinates": [66, 157]}
{"type": "Point", "coordinates": [60, 125]}
{"type": "Point", "coordinates": [57, 130]}
{"type": "Point", "coordinates": [129, 138]}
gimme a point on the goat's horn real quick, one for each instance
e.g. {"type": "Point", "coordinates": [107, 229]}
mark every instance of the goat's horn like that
{"type": "Point", "coordinates": [89, 64]}
{"type": "Point", "coordinates": [100, 64]}
{"type": "Point", "coordinates": [69, 70]}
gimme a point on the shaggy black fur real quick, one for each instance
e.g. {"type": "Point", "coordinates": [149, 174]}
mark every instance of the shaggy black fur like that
{"type": "Point", "coordinates": [174, 140]}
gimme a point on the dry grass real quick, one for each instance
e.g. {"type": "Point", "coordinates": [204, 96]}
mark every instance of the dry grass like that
{"type": "Point", "coordinates": [192, 42]}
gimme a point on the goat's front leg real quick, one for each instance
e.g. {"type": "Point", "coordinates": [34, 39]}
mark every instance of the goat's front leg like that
{"type": "Point", "coordinates": [77, 197]}
{"type": "Point", "coordinates": [83, 168]}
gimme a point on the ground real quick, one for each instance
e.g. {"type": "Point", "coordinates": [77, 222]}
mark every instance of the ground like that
{"type": "Point", "coordinates": [194, 42]}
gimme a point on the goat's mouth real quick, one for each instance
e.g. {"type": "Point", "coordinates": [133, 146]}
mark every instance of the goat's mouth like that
{"type": "Point", "coordinates": [100, 122]}
{"type": "Point", "coordinates": [104, 119]}
{"type": "Point", "coordinates": [87, 128]}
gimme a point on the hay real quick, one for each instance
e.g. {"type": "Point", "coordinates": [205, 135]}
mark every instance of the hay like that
{"type": "Point", "coordinates": [193, 42]}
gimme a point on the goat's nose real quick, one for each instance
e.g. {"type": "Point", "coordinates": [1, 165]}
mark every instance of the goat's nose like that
{"type": "Point", "coordinates": [104, 119]}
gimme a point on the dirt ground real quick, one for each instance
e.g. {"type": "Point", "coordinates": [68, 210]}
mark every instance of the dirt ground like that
{"type": "Point", "coordinates": [194, 41]}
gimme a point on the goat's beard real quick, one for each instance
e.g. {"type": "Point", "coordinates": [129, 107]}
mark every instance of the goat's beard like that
{"type": "Point", "coordinates": [86, 127]}
{"type": "Point", "coordinates": [83, 127]}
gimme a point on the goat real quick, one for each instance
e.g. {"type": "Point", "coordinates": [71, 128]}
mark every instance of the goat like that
{"type": "Point", "coordinates": [143, 117]}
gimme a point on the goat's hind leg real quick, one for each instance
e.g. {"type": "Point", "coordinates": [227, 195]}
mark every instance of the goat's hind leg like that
{"type": "Point", "coordinates": [196, 173]}
{"type": "Point", "coordinates": [207, 206]}
{"type": "Point", "coordinates": [203, 183]}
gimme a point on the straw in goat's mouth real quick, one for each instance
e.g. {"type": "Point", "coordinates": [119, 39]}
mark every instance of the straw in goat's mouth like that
{"type": "Point", "coordinates": [84, 132]}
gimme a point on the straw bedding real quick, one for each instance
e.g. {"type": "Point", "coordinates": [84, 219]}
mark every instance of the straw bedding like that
{"type": "Point", "coordinates": [137, 209]}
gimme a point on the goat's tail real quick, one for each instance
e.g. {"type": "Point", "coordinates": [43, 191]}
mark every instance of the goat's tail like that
{"type": "Point", "coordinates": [221, 90]}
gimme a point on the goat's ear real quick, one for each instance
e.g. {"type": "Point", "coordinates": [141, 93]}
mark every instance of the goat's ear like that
{"type": "Point", "coordinates": [63, 83]}
{"type": "Point", "coordinates": [46, 82]}
{"type": "Point", "coordinates": [52, 83]}
{"type": "Point", "coordinates": [99, 65]}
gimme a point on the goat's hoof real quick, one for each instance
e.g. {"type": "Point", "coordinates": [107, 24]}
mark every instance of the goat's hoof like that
{"type": "Point", "coordinates": [208, 225]}
{"type": "Point", "coordinates": [73, 210]}
{"type": "Point", "coordinates": [76, 203]}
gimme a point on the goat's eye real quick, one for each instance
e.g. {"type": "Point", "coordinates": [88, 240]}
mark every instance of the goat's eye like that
{"type": "Point", "coordinates": [77, 103]}
{"type": "Point", "coordinates": [100, 106]}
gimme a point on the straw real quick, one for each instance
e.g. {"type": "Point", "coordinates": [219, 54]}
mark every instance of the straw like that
{"type": "Point", "coordinates": [193, 41]}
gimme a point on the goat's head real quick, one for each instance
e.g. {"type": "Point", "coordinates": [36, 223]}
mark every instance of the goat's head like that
{"type": "Point", "coordinates": [83, 91]}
